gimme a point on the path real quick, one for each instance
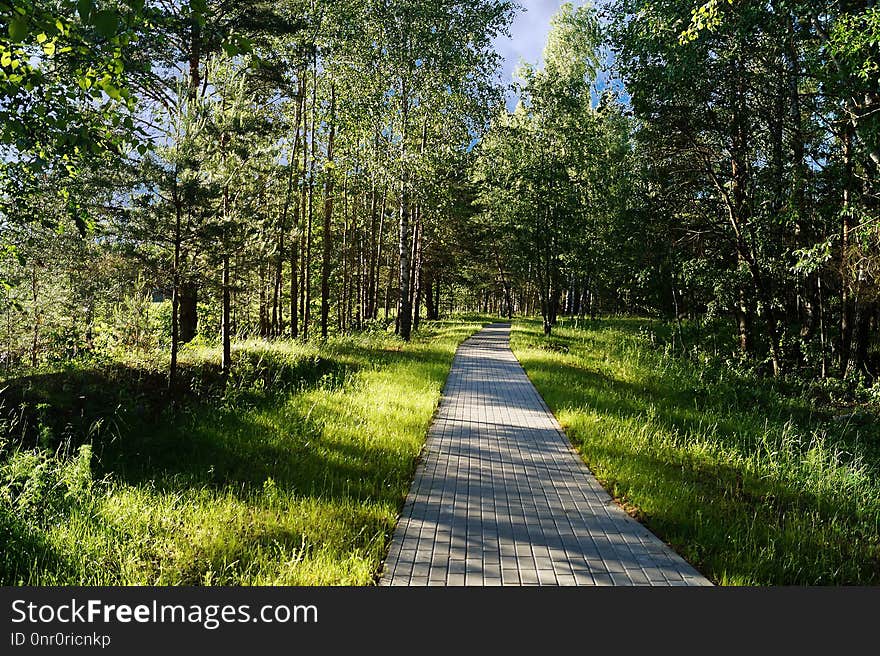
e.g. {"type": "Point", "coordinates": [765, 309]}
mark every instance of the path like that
{"type": "Point", "coordinates": [501, 498]}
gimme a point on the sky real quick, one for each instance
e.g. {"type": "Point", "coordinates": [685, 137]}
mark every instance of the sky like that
{"type": "Point", "coordinates": [528, 34]}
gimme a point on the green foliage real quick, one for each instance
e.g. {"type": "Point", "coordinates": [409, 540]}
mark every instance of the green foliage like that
{"type": "Point", "coordinates": [748, 480]}
{"type": "Point", "coordinates": [553, 172]}
{"type": "Point", "coordinates": [571, 53]}
{"type": "Point", "coordinates": [704, 17]}
{"type": "Point", "coordinates": [291, 472]}
{"type": "Point", "coordinates": [41, 488]}
{"type": "Point", "coordinates": [856, 37]}
{"type": "Point", "coordinates": [72, 84]}
{"type": "Point", "coordinates": [730, 118]}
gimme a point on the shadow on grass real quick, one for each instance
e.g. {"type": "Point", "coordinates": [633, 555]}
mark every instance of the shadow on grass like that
{"type": "Point", "coordinates": [22, 547]}
{"type": "Point", "coordinates": [198, 434]}
{"type": "Point", "coordinates": [734, 524]}
{"type": "Point", "coordinates": [228, 438]}
{"type": "Point", "coordinates": [238, 452]}
{"type": "Point", "coordinates": [81, 403]}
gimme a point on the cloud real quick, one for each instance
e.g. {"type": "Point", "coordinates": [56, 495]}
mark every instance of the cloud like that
{"type": "Point", "coordinates": [528, 34]}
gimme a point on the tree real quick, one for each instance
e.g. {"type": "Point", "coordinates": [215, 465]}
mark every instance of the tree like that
{"type": "Point", "coordinates": [533, 161]}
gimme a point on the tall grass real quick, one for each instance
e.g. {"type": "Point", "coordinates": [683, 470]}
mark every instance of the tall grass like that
{"type": "Point", "coordinates": [753, 485]}
{"type": "Point", "coordinates": [292, 474]}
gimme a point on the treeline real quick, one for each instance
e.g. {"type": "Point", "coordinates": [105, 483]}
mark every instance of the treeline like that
{"type": "Point", "coordinates": [283, 169]}
{"type": "Point", "coordinates": [735, 177]}
{"type": "Point", "coordinates": [305, 167]}
{"type": "Point", "coordinates": [554, 178]}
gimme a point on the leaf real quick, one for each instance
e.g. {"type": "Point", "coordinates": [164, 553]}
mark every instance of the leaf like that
{"type": "Point", "coordinates": [84, 8]}
{"type": "Point", "coordinates": [18, 29]}
{"type": "Point", "coordinates": [244, 44]}
{"type": "Point", "coordinates": [107, 86]}
{"type": "Point", "coordinates": [81, 223]}
{"type": "Point", "coordinates": [5, 59]}
{"type": "Point", "coordinates": [106, 22]}
{"type": "Point", "coordinates": [49, 48]}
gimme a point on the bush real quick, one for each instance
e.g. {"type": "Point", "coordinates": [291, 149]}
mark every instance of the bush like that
{"type": "Point", "coordinates": [38, 486]}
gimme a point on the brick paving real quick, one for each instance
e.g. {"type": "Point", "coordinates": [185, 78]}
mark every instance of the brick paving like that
{"type": "Point", "coordinates": [501, 498]}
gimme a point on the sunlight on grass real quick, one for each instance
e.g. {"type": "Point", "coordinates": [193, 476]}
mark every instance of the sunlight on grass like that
{"type": "Point", "coordinates": [748, 484]}
{"type": "Point", "coordinates": [294, 477]}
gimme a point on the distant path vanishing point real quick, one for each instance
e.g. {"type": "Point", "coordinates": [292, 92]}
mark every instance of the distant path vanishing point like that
{"type": "Point", "coordinates": [501, 497]}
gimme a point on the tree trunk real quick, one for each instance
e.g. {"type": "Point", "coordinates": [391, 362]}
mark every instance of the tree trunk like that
{"type": "Point", "coordinates": [297, 223]}
{"type": "Point", "coordinates": [277, 305]}
{"type": "Point", "coordinates": [739, 212]}
{"type": "Point", "coordinates": [303, 216]}
{"type": "Point", "coordinates": [404, 314]}
{"type": "Point", "coordinates": [188, 292]}
{"type": "Point", "coordinates": [430, 305]}
{"type": "Point", "coordinates": [545, 292]}
{"type": "Point", "coordinates": [307, 277]}
{"type": "Point", "coordinates": [328, 217]}
{"type": "Point", "coordinates": [823, 336]}
{"type": "Point", "coordinates": [188, 311]}
{"type": "Point", "coordinates": [861, 334]}
{"type": "Point", "coordinates": [35, 335]}
{"type": "Point", "coordinates": [371, 257]}
{"type": "Point", "coordinates": [744, 326]}
{"type": "Point", "coordinates": [175, 291]}
{"type": "Point", "coordinates": [388, 288]}
{"type": "Point", "coordinates": [263, 305]}
{"type": "Point", "coordinates": [417, 277]}
{"type": "Point", "coordinates": [437, 307]}
{"type": "Point", "coordinates": [508, 296]}
{"type": "Point", "coordinates": [226, 332]}
{"type": "Point", "coordinates": [846, 300]}
{"type": "Point", "coordinates": [294, 290]}
{"type": "Point", "coordinates": [379, 241]}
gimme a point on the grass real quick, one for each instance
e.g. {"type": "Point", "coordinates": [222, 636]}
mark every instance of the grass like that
{"type": "Point", "coordinates": [293, 474]}
{"type": "Point", "coordinates": [751, 483]}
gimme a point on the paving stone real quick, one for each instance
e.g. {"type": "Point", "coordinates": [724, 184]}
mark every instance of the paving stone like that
{"type": "Point", "coordinates": [501, 498]}
{"type": "Point", "coordinates": [510, 576]}
{"type": "Point", "coordinates": [528, 576]}
{"type": "Point", "coordinates": [547, 577]}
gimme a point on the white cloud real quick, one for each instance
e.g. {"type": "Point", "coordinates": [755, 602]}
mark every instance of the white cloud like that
{"type": "Point", "coordinates": [528, 34]}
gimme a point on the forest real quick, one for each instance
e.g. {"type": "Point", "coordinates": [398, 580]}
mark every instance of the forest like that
{"type": "Point", "coordinates": [240, 243]}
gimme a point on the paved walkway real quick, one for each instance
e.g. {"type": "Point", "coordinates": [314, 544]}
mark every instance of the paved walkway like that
{"type": "Point", "coordinates": [501, 498]}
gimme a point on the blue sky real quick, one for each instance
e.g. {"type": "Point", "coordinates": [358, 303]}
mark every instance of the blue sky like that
{"type": "Point", "coordinates": [528, 34]}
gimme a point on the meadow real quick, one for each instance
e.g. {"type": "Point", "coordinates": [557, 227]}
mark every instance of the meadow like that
{"type": "Point", "coordinates": [754, 481]}
{"type": "Point", "coordinates": [291, 472]}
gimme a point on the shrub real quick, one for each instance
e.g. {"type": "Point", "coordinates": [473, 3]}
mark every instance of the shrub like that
{"type": "Point", "coordinates": [38, 486]}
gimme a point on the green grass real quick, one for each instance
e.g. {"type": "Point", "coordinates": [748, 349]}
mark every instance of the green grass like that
{"type": "Point", "coordinates": [292, 475]}
{"type": "Point", "coordinates": [750, 483]}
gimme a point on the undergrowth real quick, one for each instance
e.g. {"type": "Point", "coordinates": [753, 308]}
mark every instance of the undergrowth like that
{"type": "Point", "coordinates": [292, 471]}
{"type": "Point", "coordinates": [752, 480]}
